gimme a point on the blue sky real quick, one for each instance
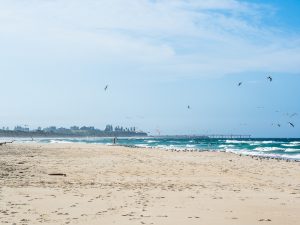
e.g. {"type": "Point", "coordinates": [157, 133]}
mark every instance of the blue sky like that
{"type": "Point", "coordinates": [157, 57]}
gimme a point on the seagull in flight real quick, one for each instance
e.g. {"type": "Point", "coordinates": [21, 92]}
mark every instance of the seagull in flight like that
{"type": "Point", "coordinates": [240, 83]}
{"type": "Point", "coordinates": [270, 78]}
{"type": "Point", "coordinates": [292, 124]}
{"type": "Point", "coordinates": [278, 125]}
{"type": "Point", "coordinates": [188, 107]}
{"type": "Point", "coordinates": [294, 114]}
{"type": "Point", "coordinates": [105, 87]}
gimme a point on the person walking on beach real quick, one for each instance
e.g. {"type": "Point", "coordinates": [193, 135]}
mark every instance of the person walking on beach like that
{"type": "Point", "coordinates": [115, 140]}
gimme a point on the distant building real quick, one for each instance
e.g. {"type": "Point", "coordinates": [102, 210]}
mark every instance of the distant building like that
{"type": "Point", "coordinates": [62, 129]}
{"type": "Point", "coordinates": [109, 128]}
{"type": "Point", "coordinates": [50, 129]}
{"type": "Point", "coordinates": [126, 129]}
{"type": "Point", "coordinates": [19, 128]}
{"type": "Point", "coordinates": [87, 128]}
{"type": "Point", "coordinates": [74, 128]}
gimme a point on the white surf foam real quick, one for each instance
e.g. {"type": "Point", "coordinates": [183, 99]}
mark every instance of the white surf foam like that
{"type": "Point", "coordinates": [268, 149]}
{"type": "Point", "coordinates": [60, 142]}
{"type": "Point", "coordinates": [151, 141]}
{"type": "Point", "coordinates": [291, 150]}
{"type": "Point", "coordinates": [291, 145]}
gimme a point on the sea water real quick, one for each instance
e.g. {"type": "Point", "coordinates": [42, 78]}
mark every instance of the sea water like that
{"type": "Point", "coordinates": [266, 147]}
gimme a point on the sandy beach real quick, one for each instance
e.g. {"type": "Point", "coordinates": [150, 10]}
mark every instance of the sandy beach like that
{"type": "Point", "coordinates": [97, 184]}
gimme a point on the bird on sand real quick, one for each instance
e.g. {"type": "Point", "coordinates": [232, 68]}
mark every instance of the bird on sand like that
{"type": "Point", "coordinates": [292, 124]}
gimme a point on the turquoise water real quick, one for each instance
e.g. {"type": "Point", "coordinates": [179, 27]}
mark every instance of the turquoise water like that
{"type": "Point", "coordinates": [278, 148]}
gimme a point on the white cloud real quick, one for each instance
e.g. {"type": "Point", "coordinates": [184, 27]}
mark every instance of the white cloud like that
{"type": "Point", "coordinates": [212, 37]}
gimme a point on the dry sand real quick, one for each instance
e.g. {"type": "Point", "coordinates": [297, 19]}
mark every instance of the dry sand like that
{"type": "Point", "coordinates": [118, 185]}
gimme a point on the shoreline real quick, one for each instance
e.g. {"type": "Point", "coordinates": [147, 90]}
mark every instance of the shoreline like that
{"type": "Point", "coordinates": [255, 156]}
{"type": "Point", "coordinates": [207, 150]}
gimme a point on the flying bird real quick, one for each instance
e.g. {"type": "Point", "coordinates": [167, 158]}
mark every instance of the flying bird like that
{"type": "Point", "coordinates": [292, 124]}
{"type": "Point", "coordinates": [278, 125]}
{"type": "Point", "coordinates": [105, 87]}
{"type": "Point", "coordinates": [188, 107]}
{"type": "Point", "coordinates": [270, 78]}
{"type": "Point", "coordinates": [294, 114]}
{"type": "Point", "coordinates": [240, 83]}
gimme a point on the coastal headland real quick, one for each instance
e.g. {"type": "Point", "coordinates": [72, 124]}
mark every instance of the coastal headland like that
{"type": "Point", "coordinates": [98, 184]}
{"type": "Point", "coordinates": [72, 132]}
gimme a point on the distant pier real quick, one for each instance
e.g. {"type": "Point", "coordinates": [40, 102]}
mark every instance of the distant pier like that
{"type": "Point", "coordinates": [212, 136]}
{"type": "Point", "coordinates": [231, 136]}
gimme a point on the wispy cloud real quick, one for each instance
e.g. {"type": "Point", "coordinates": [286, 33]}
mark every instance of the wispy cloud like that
{"type": "Point", "coordinates": [182, 37]}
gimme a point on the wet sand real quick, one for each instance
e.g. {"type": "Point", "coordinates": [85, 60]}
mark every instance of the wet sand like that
{"type": "Point", "coordinates": [97, 184]}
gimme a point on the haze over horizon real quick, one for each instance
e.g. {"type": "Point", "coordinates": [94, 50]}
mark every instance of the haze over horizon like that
{"type": "Point", "coordinates": [157, 57]}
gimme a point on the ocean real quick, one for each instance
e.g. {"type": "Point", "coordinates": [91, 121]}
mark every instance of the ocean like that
{"type": "Point", "coordinates": [265, 147]}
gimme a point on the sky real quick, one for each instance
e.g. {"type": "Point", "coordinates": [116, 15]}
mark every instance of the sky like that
{"type": "Point", "coordinates": [157, 57]}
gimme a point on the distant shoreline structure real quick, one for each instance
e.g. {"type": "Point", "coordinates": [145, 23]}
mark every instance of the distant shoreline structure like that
{"type": "Point", "coordinates": [210, 136]}
{"type": "Point", "coordinates": [73, 132]}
